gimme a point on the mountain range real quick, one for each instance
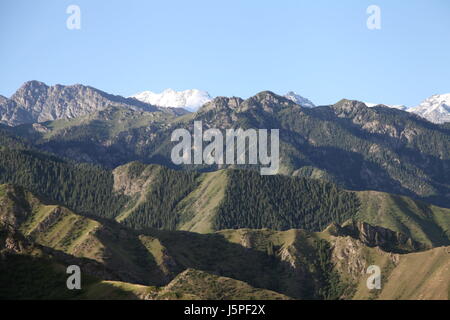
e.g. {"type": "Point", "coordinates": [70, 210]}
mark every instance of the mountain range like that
{"type": "Point", "coordinates": [86, 178]}
{"type": "Point", "coordinates": [193, 99]}
{"type": "Point", "coordinates": [188, 99]}
{"type": "Point", "coordinates": [37, 102]}
{"type": "Point", "coordinates": [38, 240]}
{"type": "Point", "coordinates": [435, 109]}
{"type": "Point", "coordinates": [377, 148]}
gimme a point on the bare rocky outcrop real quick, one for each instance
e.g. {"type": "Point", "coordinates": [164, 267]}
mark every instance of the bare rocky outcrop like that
{"type": "Point", "coordinates": [130, 185]}
{"type": "Point", "coordinates": [375, 236]}
{"type": "Point", "coordinates": [35, 101]}
{"type": "Point", "coordinates": [347, 255]}
{"type": "Point", "coordinates": [13, 208]}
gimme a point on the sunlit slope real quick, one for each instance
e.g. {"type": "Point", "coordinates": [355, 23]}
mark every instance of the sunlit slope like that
{"type": "Point", "coordinates": [234, 199]}
{"type": "Point", "coordinates": [198, 210]}
{"type": "Point", "coordinates": [411, 276]}
{"type": "Point", "coordinates": [422, 275]}
{"type": "Point", "coordinates": [421, 221]}
{"type": "Point", "coordinates": [121, 263]}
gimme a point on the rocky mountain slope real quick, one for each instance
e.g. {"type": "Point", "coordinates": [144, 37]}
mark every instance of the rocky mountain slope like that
{"type": "Point", "coordinates": [71, 192]}
{"type": "Point", "coordinates": [141, 196]}
{"type": "Point", "coordinates": [37, 102]}
{"type": "Point", "coordinates": [377, 148]}
{"type": "Point", "coordinates": [223, 200]}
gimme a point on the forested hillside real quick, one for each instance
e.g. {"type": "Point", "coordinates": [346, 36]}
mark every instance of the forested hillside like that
{"type": "Point", "coordinates": [151, 196]}
{"type": "Point", "coordinates": [357, 147]}
{"type": "Point", "coordinates": [38, 241]}
{"type": "Point", "coordinates": [280, 203]}
{"type": "Point", "coordinates": [83, 187]}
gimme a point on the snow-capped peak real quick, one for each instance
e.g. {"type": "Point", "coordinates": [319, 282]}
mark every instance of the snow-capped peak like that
{"type": "Point", "coordinates": [298, 99]}
{"type": "Point", "coordinates": [435, 109]}
{"type": "Point", "coordinates": [188, 99]}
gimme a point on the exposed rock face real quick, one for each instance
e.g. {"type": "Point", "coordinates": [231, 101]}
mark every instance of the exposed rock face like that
{"type": "Point", "coordinates": [222, 104]}
{"type": "Point", "coordinates": [13, 241]}
{"type": "Point", "coordinates": [247, 240]}
{"type": "Point", "coordinates": [347, 255]}
{"type": "Point", "coordinates": [13, 210]}
{"type": "Point", "coordinates": [130, 185]}
{"type": "Point", "coordinates": [12, 113]}
{"type": "Point", "coordinates": [348, 108]}
{"type": "Point", "coordinates": [267, 101]}
{"type": "Point", "coordinates": [374, 236]}
{"type": "Point", "coordinates": [37, 102]}
{"type": "Point", "coordinates": [286, 255]}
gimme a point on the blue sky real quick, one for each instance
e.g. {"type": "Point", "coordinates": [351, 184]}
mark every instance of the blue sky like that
{"type": "Point", "coordinates": [321, 49]}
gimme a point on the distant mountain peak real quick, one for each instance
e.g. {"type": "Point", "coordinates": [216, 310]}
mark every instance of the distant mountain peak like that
{"type": "Point", "coordinates": [35, 101]}
{"type": "Point", "coordinates": [191, 99]}
{"type": "Point", "coordinates": [435, 108]}
{"type": "Point", "coordinates": [221, 103]}
{"type": "Point", "coordinates": [298, 99]}
{"type": "Point", "coordinates": [34, 83]}
{"type": "Point", "coordinates": [348, 105]}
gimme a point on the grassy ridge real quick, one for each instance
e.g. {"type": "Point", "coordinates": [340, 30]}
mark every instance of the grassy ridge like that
{"type": "Point", "coordinates": [84, 188]}
{"type": "Point", "coordinates": [423, 222]}
{"type": "Point", "coordinates": [233, 199]}
{"type": "Point", "coordinates": [198, 210]}
{"type": "Point", "coordinates": [195, 284]}
{"type": "Point", "coordinates": [422, 275]}
{"type": "Point", "coordinates": [204, 202]}
{"type": "Point", "coordinates": [158, 264]}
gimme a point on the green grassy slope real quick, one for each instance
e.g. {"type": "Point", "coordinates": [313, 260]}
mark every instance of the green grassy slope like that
{"type": "Point", "coordinates": [195, 284]}
{"type": "Point", "coordinates": [198, 210]}
{"type": "Point", "coordinates": [102, 124]}
{"type": "Point", "coordinates": [152, 263]}
{"type": "Point", "coordinates": [375, 148]}
{"type": "Point", "coordinates": [32, 271]}
{"type": "Point", "coordinates": [228, 199]}
{"type": "Point", "coordinates": [143, 196]}
{"type": "Point", "coordinates": [233, 199]}
{"type": "Point", "coordinates": [421, 221]}
{"type": "Point", "coordinates": [422, 275]}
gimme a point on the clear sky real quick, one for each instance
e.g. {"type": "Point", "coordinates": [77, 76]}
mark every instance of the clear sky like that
{"type": "Point", "coordinates": [321, 49]}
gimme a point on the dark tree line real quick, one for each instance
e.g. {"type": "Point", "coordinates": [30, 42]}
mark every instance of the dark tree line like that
{"type": "Point", "coordinates": [83, 188]}
{"type": "Point", "coordinates": [281, 203]}
{"type": "Point", "coordinates": [159, 208]}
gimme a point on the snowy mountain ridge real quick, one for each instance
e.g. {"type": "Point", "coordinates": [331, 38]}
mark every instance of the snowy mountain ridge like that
{"type": "Point", "coordinates": [191, 99]}
{"type": "Point", "coordinates": [435, 108]}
